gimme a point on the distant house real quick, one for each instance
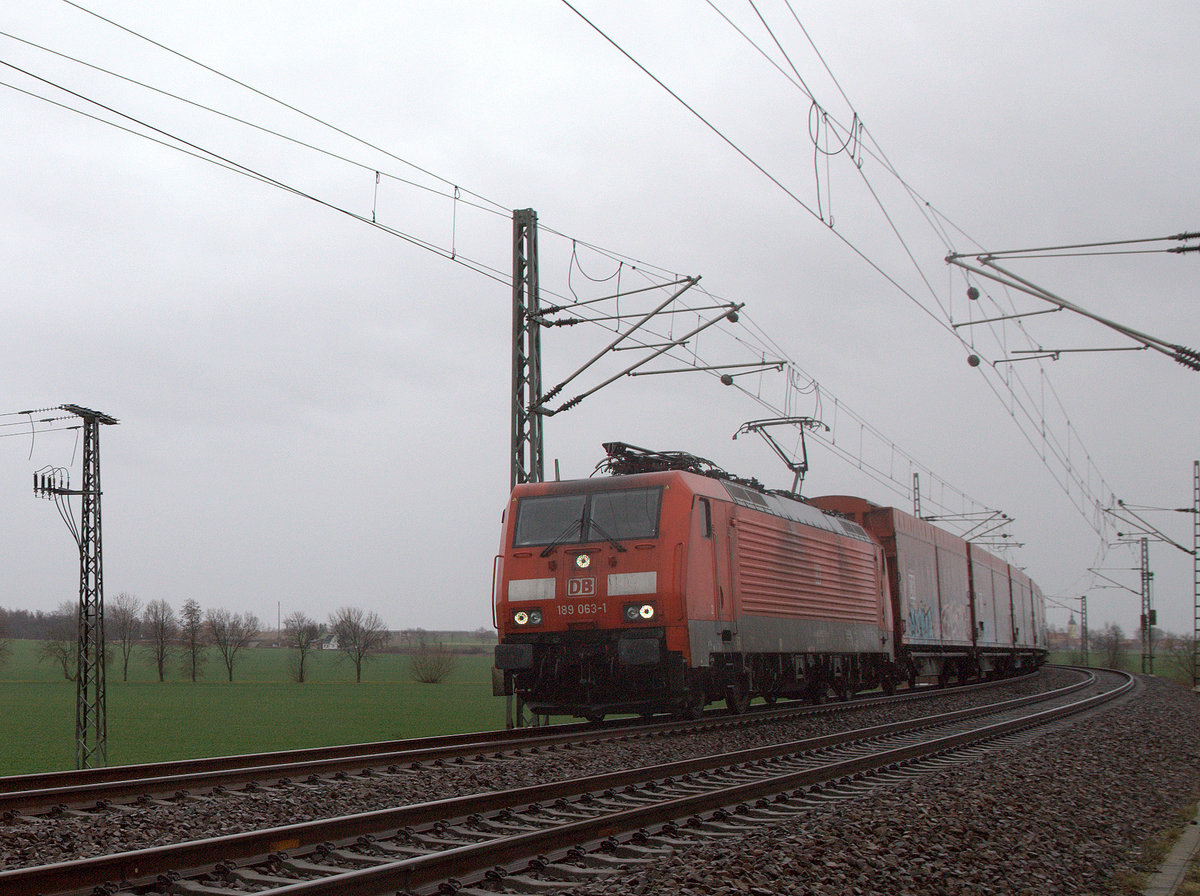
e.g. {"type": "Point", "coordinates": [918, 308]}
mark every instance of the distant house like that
{"type": "Point", "coordinates": [1057, 639]}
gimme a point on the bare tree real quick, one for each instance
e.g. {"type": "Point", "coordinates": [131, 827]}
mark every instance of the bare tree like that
{"type": "Point", "coordinates": [1110, 644]}
{"type": "Point", "coordinates": [431, 663]}
{"type": "Point", "coordinates": [5, 644]}
{"type": "Point", "coordinates": [62, 642]}
{"type": "Point", "coordinates": [123, 618]}
{"type": "Point", "coordinates": [358, 632]}
{"type": "Point", "coordinates": [1180, 653]}
{"type": "Point", "coordinates": [301, 634]}
{"type": "Point", "coordinates": [160, 627]}
{"type": "Point", "coordinates": [192, 634]}
{"type": "Point", "coordinates": [230, 632]}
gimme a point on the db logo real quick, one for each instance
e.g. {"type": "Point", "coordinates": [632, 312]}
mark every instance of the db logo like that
{"type": "Point", "coordinates": [581, 587]}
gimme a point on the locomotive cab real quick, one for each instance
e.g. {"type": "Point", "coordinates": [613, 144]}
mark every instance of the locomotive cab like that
{"type": "Point", "coordinates": [587, 596]}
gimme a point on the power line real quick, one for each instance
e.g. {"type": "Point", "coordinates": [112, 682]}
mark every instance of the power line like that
{"type": "Point", "coordinates": [934, 218]}
{"type": "Point", "coordinates": [212, 156]}
{"type": "Point", "coordinates": [197, 151]}
{"type": "Point", "coordinates": [271, 98]}
{"type": "Point", "coordinates": [453, 192]}
{"type": "Point", "coordinates": [28, 433]}
{"type": "Point", "coordinates": [758, 167]}
{"type": "Point", "coordinates": [1036, 252]}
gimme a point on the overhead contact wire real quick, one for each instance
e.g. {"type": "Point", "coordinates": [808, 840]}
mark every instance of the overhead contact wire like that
{"type": "Point", "coordinates": [275, 100]}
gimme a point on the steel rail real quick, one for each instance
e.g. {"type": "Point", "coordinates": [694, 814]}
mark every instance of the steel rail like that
{"type": "Point", "coordinates": [151, 770]}
{"type": "Point", "coordinates": [80, 788]}
{"type": "Point", "coordinates": [226, 771]}
{"type": "Point", "coordinates": [408, 875]}
{"type": "Point", "coordinates": [201, 855]}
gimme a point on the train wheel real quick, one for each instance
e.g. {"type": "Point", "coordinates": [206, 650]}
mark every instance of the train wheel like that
{"type": "Point", "coordinates": [595, 717]}
{"type": "Point", "coordinates": [842, 689]}
{"type": "Point", "coordinates": [693, 706]}
{"type": "Point", "coordinates": [694, 697]}
{"type": "Point", "coordinates": [888, 686]}
{"type": "Point", "coordinates": [817, 687]}
{"type": "Point", "coordinates": [737, 698]}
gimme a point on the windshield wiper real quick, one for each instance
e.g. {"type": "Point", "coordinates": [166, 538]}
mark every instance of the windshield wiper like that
{"type": "Point", "coordinates": [616, 544]}
{"type": "Point", "coordinates": [564, 536]}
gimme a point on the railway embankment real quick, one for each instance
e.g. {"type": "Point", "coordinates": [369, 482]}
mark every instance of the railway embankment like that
{"type": "Point", "coordinates": [1074, 806]}
{"type": "Point", "coordinates": [1075, 811]}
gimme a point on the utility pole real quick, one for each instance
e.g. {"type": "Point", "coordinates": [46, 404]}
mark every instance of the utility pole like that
{"type": "Point", "coordinates": [1149, 617]}
{"type": "Point", "coordinates": [91, 724]}
{"type": "Point", "coordinates": [1196, 573]}
{"type": "Point", "coordinates": [1126, 514]}
{"type": "Point", "coordinates": [1084, 659]}
{"type": "Point", "coordinates": [527, 457]}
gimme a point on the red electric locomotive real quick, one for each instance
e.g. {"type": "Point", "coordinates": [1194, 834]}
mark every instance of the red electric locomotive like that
{"type": "Point", "coordinates": [669, 589]}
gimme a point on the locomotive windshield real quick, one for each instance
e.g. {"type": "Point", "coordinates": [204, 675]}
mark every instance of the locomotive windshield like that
{"type": "Point", "coordinates": [582, 518]}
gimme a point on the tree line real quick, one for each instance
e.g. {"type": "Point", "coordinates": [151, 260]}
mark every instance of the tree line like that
{"type": "Point", "coordinates": [1176, 653]}
{"type": "Point", "coordinates": [190, 635]}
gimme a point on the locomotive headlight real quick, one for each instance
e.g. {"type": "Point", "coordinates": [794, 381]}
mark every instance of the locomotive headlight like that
{"type": "Point", "coordinates": [527, 617]}
{"type": "Point", "coordinates": [639, 612]}
{"type": "Point", "coordinates": [583, 561]}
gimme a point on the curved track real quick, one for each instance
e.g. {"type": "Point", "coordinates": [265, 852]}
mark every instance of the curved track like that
{"type": "Point", "coordinates": [489, 835]}
{"type": "Point", "coordinates": [58, 791]}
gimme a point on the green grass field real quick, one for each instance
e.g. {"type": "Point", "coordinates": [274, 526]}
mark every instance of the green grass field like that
{"type": "Point", "coordinates": [1165, 666]}
{"type": "Point", "coordinates": [262, 709]}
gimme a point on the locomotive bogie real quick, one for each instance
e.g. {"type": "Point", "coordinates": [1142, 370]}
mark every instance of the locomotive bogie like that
{"type": "Point", "coordinates": [594, 674]}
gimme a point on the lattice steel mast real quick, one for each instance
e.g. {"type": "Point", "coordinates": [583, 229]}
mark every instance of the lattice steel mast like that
{"type": "Point", "coordinates": [527, 458]}
{"type": "Point", "coordinates": [1149, 617]}
{"type": "Point", "coordinates": [1084, 656]}
{"type": "Point", "coordinates": [91, 724]}
{"type": "Point", "coordinates": [1196, 572]}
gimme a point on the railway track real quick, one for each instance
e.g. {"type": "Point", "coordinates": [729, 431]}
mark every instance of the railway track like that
{"type": "Point", "coordinates": [86, 788]}
{"type": "Point", "coordinates": [539, 838]}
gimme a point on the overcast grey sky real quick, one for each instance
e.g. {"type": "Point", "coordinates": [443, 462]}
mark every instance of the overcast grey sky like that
{"type": "Point", "coordinates": [314, 412]}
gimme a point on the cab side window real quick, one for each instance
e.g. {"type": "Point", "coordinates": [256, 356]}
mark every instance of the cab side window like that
{"type": "Point", "coordinates": [706, 526]}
